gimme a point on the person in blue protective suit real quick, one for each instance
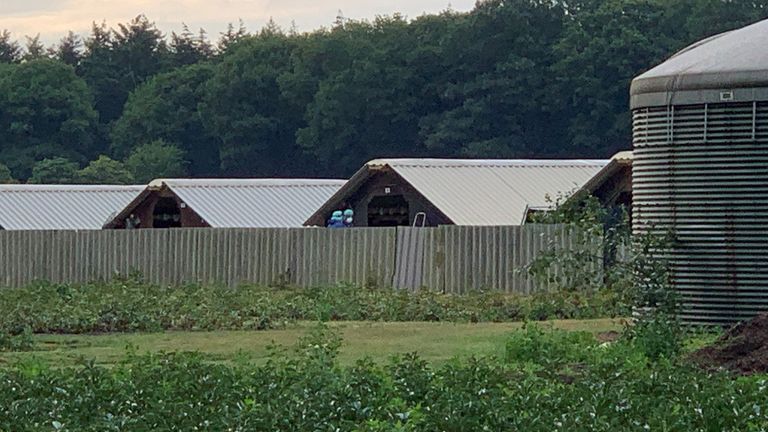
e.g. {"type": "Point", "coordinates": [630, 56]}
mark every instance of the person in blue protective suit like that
{"type": "Point", "coordinates": [349, 218]}
{"type": "Point", "coordinates": [337, 220]}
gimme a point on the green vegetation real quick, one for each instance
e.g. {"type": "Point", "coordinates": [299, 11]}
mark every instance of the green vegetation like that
{"type": "Point", "coordinates": [606, 253]}
{"type": "Point", "coordinates": [436, 342]}
{"type": "Point", "coordinates": [156, 160]}
{"type": "Point", "coordinates": [129, 305]}
{"type": "Point", "coordinates": [105, 170]}
{"type": "Point", "coordinates": [510, 78]}
{"type": "Point", "coordinates": [544, 380]}
{"type": "Point", "coordinates": [56, 170]}
{"type": "Point", "coordinates": [5, 175]}
{"type": "Point", "coordinates": [356, 376]}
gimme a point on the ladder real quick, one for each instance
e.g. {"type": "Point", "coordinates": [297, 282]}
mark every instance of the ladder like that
{"type": "Point", "coordinates": [420, 220]}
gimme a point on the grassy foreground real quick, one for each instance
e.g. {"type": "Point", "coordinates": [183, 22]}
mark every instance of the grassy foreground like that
{"type": "Point", "coordinates": [542, 380]}
{"type": "Point", "coordinates": [435, 342]}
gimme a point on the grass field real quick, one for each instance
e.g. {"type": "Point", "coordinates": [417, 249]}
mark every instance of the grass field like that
{"type": "Point", "coordinates": [435, 342]}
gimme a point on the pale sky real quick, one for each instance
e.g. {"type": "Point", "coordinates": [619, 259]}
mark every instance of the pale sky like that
{"type": "Point", "coordinates": [53, 18]}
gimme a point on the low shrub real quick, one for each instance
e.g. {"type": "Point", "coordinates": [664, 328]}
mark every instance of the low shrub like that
{"type": "Point", "coordinates": [312, 392]}
{"type": "Point", "coordinates": [16, 340]}
{"type": "Point", "coordinates": [130, 305]}
{"type": "Point", "coordinates": [536, 345]}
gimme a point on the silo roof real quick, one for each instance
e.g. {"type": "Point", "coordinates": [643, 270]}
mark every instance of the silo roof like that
{"type": "Point", "coordinates": [728, 67]}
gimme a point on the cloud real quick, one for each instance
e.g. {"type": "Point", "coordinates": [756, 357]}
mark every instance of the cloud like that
{"type": "Point", "coordinates": [53, 18]}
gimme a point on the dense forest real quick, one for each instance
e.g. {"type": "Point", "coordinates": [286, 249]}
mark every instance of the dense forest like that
{"type": "Point", "coordinates": [509, 79]}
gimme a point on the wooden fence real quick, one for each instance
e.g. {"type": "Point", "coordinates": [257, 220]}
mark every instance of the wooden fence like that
{"type": "Point", "coordinates": [449, 259]}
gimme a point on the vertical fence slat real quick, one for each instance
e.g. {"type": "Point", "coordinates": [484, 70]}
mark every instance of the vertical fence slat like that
{"type": "Point", "coordinates": [451, 259]}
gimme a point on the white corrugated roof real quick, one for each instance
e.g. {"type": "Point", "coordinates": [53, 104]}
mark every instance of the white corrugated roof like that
{"type": "Point", "coordinates": [61, 207]}
{"type": "Point", "coordinates": [619, 160]}
{"type": "Point", "coordinates": [491, 192]}
{"type": "Point", "coordinates": [253, 203]}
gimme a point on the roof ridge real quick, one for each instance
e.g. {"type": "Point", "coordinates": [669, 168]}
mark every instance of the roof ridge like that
{"type": "Point", "coordinates": [253, 185]}
{"type": "Point", "coordinates": [63, 188]}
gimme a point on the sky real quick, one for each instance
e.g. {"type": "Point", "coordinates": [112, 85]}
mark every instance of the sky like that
{"type": "Point", "coordinates": [53, 18]}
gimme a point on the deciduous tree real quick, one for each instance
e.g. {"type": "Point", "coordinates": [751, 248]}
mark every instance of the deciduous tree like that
{"type": "Point", "coordinates": [45, 111]}
{"type": "Point", "coordinates": [156, 160]}
{"type": "Point", "coordinates": [105, 170]}
{"type": "Point", "coordinates": [166, 108]}
{"type": "Point", "coordinates": [244, 108]}
{"type": "Point", "coordinates": [56, 170]}
{"type": "Point", "coordinates": [6, 177]}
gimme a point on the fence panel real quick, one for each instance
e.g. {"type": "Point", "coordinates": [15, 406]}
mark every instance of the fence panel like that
{"type": "Point", "coordinates": [478, 258]}
{"type": "Point", "coordinates": [360, 256]}
{"type": "Point", "coordinates": [410, 256]}
{"type": "Point", "coordinates": [449, 259]}
{"type": "Point", "coordinates": [483, 258]}
{"type": "Point", "coordinates": [433, 276]}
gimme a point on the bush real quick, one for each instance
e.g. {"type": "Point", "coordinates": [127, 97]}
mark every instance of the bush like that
{"type": "Point", "coordinates": [129, 305]}
{"type": "Point", "coordinates": [16, 341]}
{"type": "Point", "coordinates": [535, 345]}
{"type": "Point", "coordinates": [631, 266]}
{"type": "Point", "coordinates": [312, 392]}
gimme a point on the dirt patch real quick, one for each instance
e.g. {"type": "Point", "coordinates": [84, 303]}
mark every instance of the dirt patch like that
{"type": "Point", "coordinates": [742, 349]}
{"type": "Point", "coordinates": [609, 336]}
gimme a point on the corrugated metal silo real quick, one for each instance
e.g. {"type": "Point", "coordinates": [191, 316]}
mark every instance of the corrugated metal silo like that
{"type": "Point", "coordinates": [700, 133]}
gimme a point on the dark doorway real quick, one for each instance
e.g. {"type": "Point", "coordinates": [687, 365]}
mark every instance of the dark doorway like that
{"type": "Point", "coordinates": [389, 210]}
{"type": "Point", "coordinates": [167, 214]}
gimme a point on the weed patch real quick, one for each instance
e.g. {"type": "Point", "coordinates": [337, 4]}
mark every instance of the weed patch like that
{"type": "Point", "coordinates": [130, 305]}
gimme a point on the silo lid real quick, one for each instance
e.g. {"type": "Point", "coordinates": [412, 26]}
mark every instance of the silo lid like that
{"type": "Point", "coordinates": [728, 67]}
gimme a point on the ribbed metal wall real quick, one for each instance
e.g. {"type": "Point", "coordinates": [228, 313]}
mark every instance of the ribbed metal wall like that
{"type": "Point", "coordinates": [701, 171]}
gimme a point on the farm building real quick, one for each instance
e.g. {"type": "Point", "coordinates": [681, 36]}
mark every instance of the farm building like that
{"type": "Point", "coordinates": [612, 185]}
{"type": "Point", "coordinates": [61, 207]}
{"type": "Point", "coordinates": [224, 203]}
{"type": "Point", "coordinates": [397, 192]}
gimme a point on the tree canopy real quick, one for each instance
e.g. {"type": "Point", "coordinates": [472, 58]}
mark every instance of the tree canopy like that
{"type": "Point", "coordinates": [156, 160]}
{"type": "Point", "coordinates": [5, 175]}
{"type": "Point", "coordinates": [45, 111]}
{"type": "Point", "coordinates": [105, 170]}
{"type": "Point", "coordinates": [56, 170]}
{"type": "Point", "coordinates": [508, 79]}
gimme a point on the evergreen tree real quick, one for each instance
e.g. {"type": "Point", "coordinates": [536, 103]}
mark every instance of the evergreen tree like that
{"type": "Point", "coordinates": [117, 61]}
{"type": "Point", "coordinates": [34, 49]}
{"type": "Point", "coordinates": [231, 36]}
{"type": "Point", "coordinates": [10, 51]}
{"type": "Point", "coordinates": [69, 49]}
{"type": "Point", "coordinates": [187, 48]}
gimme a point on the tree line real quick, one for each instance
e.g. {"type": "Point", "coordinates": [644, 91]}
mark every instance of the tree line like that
{"type": "Point", "coordinates": [508, 79]}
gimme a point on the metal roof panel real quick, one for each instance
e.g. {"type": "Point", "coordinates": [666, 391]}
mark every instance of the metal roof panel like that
{"type": "Point", "coordinates": [253, 203]}
{"type": "Point", "coordinates": [61, 207]}
{"type": "Point", "coordinates": [492, 192]}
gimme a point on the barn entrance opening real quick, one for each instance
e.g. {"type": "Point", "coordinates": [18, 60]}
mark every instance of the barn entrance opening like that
{"type": "Point", "coordinates": [166, 214]}
{"type": "Point", "coordinates": [387, 211]}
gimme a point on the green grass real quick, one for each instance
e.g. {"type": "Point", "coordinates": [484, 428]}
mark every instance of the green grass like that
{"type": "Point", "coordinates": [435, 342]}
